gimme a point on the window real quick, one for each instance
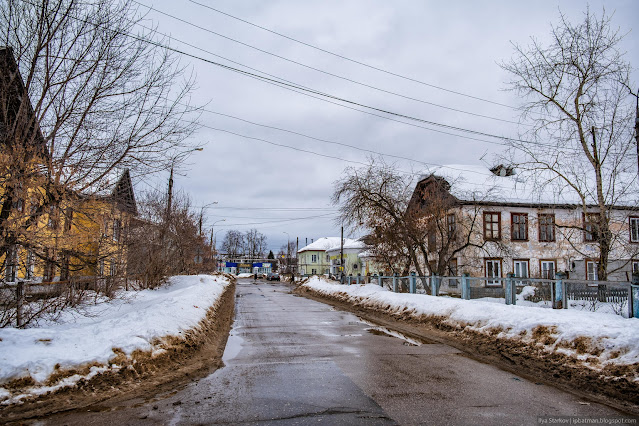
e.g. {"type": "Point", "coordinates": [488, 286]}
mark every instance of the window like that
{"type": "Point", "coordinates": [355, 266]}
{"type": "Point", "coordinates": [30, 265]}
{"type": "Point", "coordinates": [634, 229]}
{"type": "Point", "coordinates": [520, 269]}
{"type": "Point", "coordinates": [432, 240]}
{"type": "Point", "coordinates": [635, 267]}
{"type": "Point", "coordinates": [591, 270]}
{"type": "Point", "coordinates": [492, 226]}
{"type": "Point", "coordinates": [519, 226]}
{"type": "Point", "coordinates": [493, 270]}
{"type": "Point", "coordinates": [10, 264]}
{"type": "Point", "coordinates": [117, 227]}
{"type": "Point", "coordinates": [591, 225]}
{"type": "Point", "coordinates": [68, 219]}
{"type": "Point", "coordinates": [101, 267]}
{"type": "Point", "coordinates": [113, 269]}
{"type": "Point", "coordinates": [328, 259]}
{"type": "Point", "coordinates": [313, 271]}
{"type": "Point", "coordinates": [548, 269]}
{"type": "Point", "coordinates": [314, 259]}
{"type": "Point", "coordinates": [452, 272]}
{"type": "Point", "coordinates": [53, 217]}
{"type": "Point", "coordinates": [546, 227]}
{"type": "Point", "coordinates": [451, 225]}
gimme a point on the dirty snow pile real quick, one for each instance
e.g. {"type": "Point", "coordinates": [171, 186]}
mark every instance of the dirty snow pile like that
{"type": "Point", "coordinates": [134, 321]}
{"type": "Point", "coordinates": [245, 275]}
{"type": "Point", "coordinates": [596, 339]}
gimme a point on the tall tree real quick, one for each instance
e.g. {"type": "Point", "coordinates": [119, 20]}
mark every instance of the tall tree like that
{"type": "Point", "coordinates": [234, 243]}
{"type": "Point", "coordinates": [580, 113]}
{"type": "Point", "coordinates": [84, 94]}
{"type": "Point", "coordinates": [255, 244]}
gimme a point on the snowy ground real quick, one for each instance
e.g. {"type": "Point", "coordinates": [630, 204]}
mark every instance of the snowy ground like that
{"type": "Point", "coordinates": [596, 339]}
{"type": "Point", "coordinates": [95, 336]}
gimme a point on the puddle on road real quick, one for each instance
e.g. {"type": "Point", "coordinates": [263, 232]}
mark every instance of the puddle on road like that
{"type": "Point", "coordinates": [379, 330]}
{"type": "Point", "coordinates": [233, 347]}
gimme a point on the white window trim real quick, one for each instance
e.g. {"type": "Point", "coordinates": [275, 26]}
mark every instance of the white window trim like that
{"type": "Point", "coordinates": [490, 282]}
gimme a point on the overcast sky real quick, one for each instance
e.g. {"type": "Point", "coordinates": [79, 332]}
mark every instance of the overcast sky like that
{"type": "Point", "coordinates": [453, 45]}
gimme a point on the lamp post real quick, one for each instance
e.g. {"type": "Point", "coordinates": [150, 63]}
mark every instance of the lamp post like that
{"type": "Point", "coordinates": [213, 248]}
{"type": "Point", "coordinates": [170, 195]}
{"type": "Point", "coordinates": [288, 251]}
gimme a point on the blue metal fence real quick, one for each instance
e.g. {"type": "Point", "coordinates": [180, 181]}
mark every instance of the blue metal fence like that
{"type": "Point", "coordinates": [557, 293]}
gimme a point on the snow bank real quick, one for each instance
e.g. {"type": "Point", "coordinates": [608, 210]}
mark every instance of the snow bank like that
{"type": "Point", "coordinates": [596, 339]}
{"type": "Point", "coordinates": [245, 275]}
{"type": "Point", "coordinates": [119, 326]}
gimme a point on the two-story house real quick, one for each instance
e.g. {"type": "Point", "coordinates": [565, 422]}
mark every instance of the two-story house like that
{"type": "Point", "coordinates": [494, 223]}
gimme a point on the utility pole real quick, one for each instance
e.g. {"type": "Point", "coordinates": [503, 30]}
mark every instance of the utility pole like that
{"type": "Point", "coordinates": [637, 129]}
{"type": "Point", "coordinates": [341, 256]}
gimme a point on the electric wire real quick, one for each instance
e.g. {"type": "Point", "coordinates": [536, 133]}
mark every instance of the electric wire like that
{"type": "Point", "coordinates": [355, 61]}
{"type": "Point", "coordinates": [320, 70]}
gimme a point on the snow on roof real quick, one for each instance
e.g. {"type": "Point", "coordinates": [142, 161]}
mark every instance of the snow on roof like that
{"type": "Point", "coordinates": [478, 183]}
{"type": "Point", "coordinates": [321, 244]}
{"type": "Point", "coordinates": [331, 243]}
{"type": "Point", "coordinates": [350, 244]}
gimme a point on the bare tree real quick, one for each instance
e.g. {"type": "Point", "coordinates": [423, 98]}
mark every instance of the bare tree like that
{"type": "Point", "coordinates": [376, 198]}
{"type": "Point", "coordinates": [255, 244]}
{"type": "Point", "coordinates": [580, 115]}
{"type": "Point", "coordinates": [83, 95]}
{"type": "Point", "coordinates": [233, 244]}
{"type": "Point", "coordinates": [161, 246]}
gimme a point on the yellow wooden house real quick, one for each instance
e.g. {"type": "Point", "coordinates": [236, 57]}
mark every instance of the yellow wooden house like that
{"type": "Point", "coordinates": [48, 232]}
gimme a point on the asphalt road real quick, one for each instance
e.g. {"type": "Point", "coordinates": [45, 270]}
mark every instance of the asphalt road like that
{"type": "Point", "coordinates": [290, 360]}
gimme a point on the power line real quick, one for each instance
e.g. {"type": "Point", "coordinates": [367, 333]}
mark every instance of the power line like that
{"type": "Point", "coordinates": [327, 95]}
{"type": "Point", "coordinates": [353, 60]}
{"type": "Point", "coordinates": [301, 92]}
{"type": "Point", "coordinates": [323, 71]}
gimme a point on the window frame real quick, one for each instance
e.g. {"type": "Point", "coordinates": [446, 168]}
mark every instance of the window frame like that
{"type": "Point", "coordinates": [589, 235]}
{"type": "Point", "coordinates": [451, 226]}
{"type": "Point", "coordinates": [496, 261]}
{"type": "Point", "coordinates": [541, 268]}
{"type": "Point", "coordinates": [492, 238]}
{"type": "Point", "coordinates": [521, 261]}
{"type": "Point", "coordinates": [636, 220]}
{"type": "Point", "coordinates": [544, 226]}
{"type": "Point", "coordinates": [512, 226]}
{"type": "Point", "coordinates": [595, 272]}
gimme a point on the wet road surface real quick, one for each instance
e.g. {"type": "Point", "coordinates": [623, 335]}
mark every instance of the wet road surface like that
{"type": "Point", "coordinates": [290, 360]}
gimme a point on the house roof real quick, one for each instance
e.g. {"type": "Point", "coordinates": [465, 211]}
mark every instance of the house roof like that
{"type": "Point", "coordinates": [478, 184]}
{"type": "Point", "coordinates": [350, 244]}
{"type": "Point", "coordinates": [321, 244]}
{"type": "Point", "coordinates": [16, 111]}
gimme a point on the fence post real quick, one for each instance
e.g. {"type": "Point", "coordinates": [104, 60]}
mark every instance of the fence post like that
{"type": "Point", "coordinates": [413, 283]}
{"type": "Point", "coordinates": [633, 299]}
{"type": "Point", "coordinates": [358, 278]}
{"type": "Point", "coordinates": [381, 283]}
{"type": "Point", "coordinates": [511, 293]}
{"type": "Point", "coordinates": [19, 301]}
{"type": "Point", "coordinates": [465, 286]}
{"type": "Point", "coordinates": [558, 296]}
{"type": "Point", "coordinates": [395, 282]}
{"type": "Point", "coordinates": [434, 285]}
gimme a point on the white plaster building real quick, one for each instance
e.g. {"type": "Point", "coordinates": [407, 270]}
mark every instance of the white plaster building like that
{"type": "Point", "coordinates": [508, 227]}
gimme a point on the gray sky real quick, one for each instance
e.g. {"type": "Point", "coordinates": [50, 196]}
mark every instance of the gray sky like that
{"type": "Point", "coordinates": [453, 45]}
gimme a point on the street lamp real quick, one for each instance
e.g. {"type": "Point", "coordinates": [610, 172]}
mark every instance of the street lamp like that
{"type": "Point", "coordinates": [213, 243]}
{"type": "Point", "coordinates": [288, 251]}
{"type": "Point", "coordinates": [173, 161]}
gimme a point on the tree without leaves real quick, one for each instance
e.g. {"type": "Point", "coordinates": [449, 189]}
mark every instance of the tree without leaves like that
{"type": "Point", "coordinates": [581, 113]}
{"type": "Point", "coordinates": [103, 98]}
{"type": "Point", "coordinates": [376, 198]}
{"type": "Point", "coordinates": [233, 244]}
{"type": "Point", "coordinates": [255, 244]}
